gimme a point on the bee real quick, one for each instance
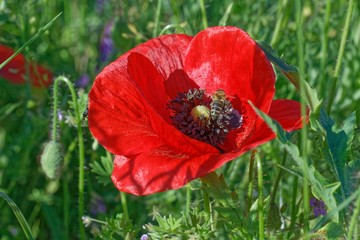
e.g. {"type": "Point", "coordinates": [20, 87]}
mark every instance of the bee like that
{"type": "Point", "coordinates": [218, 103]}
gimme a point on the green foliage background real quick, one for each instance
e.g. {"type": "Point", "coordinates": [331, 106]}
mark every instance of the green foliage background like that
{"type": "Point", "coordinates": [71, 47]}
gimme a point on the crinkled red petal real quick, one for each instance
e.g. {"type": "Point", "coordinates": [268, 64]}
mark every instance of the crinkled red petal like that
{"type": "Point", "coordinates": [162, 169]}
{"type": "Point", "coordinates": [137, 174]}
{"type": "Point", "coordinates": [227, 58]}
{"type": "Point", "coordinates": [123, 120]}
{"type": "Point", "coordinates": [286, 112]}
{"type": "Point", "coordinates": [15, 71]}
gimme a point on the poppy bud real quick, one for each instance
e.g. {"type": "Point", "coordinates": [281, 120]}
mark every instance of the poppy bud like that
{"type": "Point", "coordinates": [52, 160]}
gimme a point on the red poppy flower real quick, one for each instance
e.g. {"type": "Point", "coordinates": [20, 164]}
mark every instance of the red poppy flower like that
{"type": "Point", "coordinates": [15, 71]}
{"type": "Point", "coordinates": [176, 107]}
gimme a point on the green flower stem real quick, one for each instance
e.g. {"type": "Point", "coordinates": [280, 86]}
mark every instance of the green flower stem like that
{"type": "Point", "coordinates": [157, 18]}
{"type": "Point", "coordinates": [293, 204]}
{"type": "Point", "coordinates": [207, 207]}
{"type": "Point", "coordinates": [80, 145]}
{"type": "Point", "coordinates": [324, 48]}
{"type": "Point", "coordinates": [203, 14]}
{"type": "Point", "coordinates": [188, 199]}
{"type": "Point", "coordinates": [260, 198]}
{"type": "Point", "coordinates": [32, 39]}
{"type": "Point", "coordinates": [251, 183]}
{"type": "Point", "coordinates": [354, 220]}
{"type": "Point", "coordinates": [124, 206]}
{"type": "Point", "coordinates": [20, 217]}
{"type": "Point", "coordinates": [66, 194]}
{"type": "Point", "coordinates": [303, 140]}
{"type": "Point", "coordinates": [340, 56]}
{"type": "Point", "coordinates": [66, 207]}
{"type": "Point", "coordinates": [277, 181]}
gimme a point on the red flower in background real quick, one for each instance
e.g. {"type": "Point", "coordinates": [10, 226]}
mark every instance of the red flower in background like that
{"type": "Point", "coordinates": [15, 71]}
{"type": "Point", "coordinates": [176, 107]}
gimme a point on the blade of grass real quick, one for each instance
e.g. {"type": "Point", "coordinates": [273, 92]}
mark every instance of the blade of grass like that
{"type": "Point", "coordinates": [203, 14]}
{"type": "Point", "coordinates": [340, 56]}
{"type": "Point", "coordinates": [157, 18]}
{"type": "Point", "coordinates": [225, 17]}
{"type": "Point", "coordinates": [32, 39]}
{"type": "Point", "coordinates": [260, 198]}
{"type": "Point", "coordinates": [281, 12]}
{"type": "Point", "coordinates": [354, 219]}
{"type": "Point", "coordinates": [300, 39]}
{"type": "Point", "coordinates": [20, 217]}
{"type": "Point", "coordinates": [324, 48]}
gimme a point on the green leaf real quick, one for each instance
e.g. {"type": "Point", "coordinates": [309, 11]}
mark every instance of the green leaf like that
{"type": "Point", "coordinates": [103, 170]}
{"type": "Point", "coordinates": [216, 186]}
{"type": "Point", "coordinates": [349, 126]}
{"type": "Point", "coordinates": [291, 72]}
{"type": "Point", "coordinates": [333, 231]}
{"type": "Point", "coordinates": [319, 186]}
{"type": "Point", "coordinates": [337, 143]}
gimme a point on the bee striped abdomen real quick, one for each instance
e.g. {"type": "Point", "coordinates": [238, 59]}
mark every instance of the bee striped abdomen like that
{"type": "Point", "coordinates": [216, 108]}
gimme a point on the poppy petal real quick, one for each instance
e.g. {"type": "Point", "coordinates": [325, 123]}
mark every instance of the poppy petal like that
{"type": "Point", "coordinates": [124, 123]}
{"type": "Point", "coordinates": [286, 112]}
{"type": "Point", "coordinates": [119, 120]}
{"type": "Point", "coordinates": [15, 71]}
{"type": "Point", "coordinates": [178, 82]}
{"type": "Point", "coordinates": [227, 58]}
{"type": "Point", "coordinates": [138, 175]}
{"type": "Point", "coordinates": [166, 52]}
{"type": "Point", "coordinates": [120, 117]}
{"type": "Point", "coordinates": [150, 82]}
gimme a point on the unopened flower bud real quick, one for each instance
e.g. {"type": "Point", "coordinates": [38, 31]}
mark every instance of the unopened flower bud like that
{"type": "Point", "coordinates": [52, 160]}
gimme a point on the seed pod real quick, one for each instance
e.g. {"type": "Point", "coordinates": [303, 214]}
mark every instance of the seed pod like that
{"type": "Point", "coordinates": [52, 160]}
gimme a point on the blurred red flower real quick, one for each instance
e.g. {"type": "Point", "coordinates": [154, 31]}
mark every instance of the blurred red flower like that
{"type": "Point", "coordinates": [160, 109]}
{"type": "Point", "coordinates": [15, 71]}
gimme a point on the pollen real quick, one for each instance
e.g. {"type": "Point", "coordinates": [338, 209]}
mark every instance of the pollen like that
{"type": "Point", "coordinates": [200, 114]}
{"type": "Point", "coordinates": [203, 117]}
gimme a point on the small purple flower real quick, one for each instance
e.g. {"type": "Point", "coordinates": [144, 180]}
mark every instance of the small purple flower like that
{"type": "Point", "coordinates": [319, 207]}
{"type": "Point", "coordinates": [106, 43]}
{"type": "Point", "coordinates": [97, 205]}
{"type": "Point", "coordinates": [82, 81]}
{"type": "Point", "coordinates": [144, 237]}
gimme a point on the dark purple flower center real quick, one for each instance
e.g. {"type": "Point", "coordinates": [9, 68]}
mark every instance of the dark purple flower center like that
{"type": "Point", "coordinates": [205, 118]}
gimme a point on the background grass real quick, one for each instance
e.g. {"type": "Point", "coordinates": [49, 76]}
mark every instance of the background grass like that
{"type": "Point", "coordinates": [71, 47]}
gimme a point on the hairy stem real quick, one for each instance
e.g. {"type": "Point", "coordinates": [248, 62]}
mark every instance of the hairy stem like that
{"type": "Point", "coordinates": [80, 145]}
